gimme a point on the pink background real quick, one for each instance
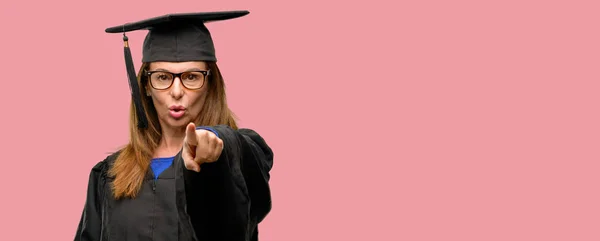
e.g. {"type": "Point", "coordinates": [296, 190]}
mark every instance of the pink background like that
{"type": "Point", "coordinates": [436, 120]}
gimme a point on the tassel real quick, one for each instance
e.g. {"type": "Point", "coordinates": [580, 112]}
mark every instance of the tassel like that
{"type": "Point", "coordinates": [133, 86]}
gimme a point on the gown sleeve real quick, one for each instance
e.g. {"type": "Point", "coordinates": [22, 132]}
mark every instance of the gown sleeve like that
{"type": "Point", "coordinates": [257, 161]}
{"type": "Point", "coordinates": [235, 188]}
{"type": "Point", "coordinates": [90, 223]}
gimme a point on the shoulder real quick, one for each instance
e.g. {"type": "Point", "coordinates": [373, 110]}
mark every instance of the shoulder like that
{"type": "Point", "coordinates": [253, 135]}
{"type": "Point", "coordinates": [242, 140]}
{"type": "Point", "coordinates": [242, 134]}
{"type": "Point", "coordinates": [247, 132]}
{"type": "Point", "coordinates": [102, 167]}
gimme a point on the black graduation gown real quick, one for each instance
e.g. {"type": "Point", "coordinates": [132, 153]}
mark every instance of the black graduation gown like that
{"type": "Point", "coordinates": [224, 201]}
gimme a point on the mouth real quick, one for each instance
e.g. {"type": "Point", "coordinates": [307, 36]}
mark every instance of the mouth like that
{"type": "Point", "coordinates": [176, 111]}
{"type": "Point", "coordinates": [177, 108]}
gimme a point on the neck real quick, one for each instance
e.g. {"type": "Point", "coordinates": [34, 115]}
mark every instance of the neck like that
{"type": "Point", "coordinates": [170, 143]}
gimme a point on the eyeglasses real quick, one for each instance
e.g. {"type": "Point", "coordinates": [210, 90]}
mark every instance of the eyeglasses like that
{"type": "Point", "coordinates": [162, 80]}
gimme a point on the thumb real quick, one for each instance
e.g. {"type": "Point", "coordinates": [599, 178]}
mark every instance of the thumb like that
{"type": "Point", "coordinates": [190, 134]}
{"type": "Point", "coordinates": [190, 164]}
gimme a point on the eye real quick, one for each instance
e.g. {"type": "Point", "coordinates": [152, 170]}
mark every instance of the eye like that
{"type": "Point", "coordinates": [192, 76]}
{"type": "Point", "coordinates": [161, 76]}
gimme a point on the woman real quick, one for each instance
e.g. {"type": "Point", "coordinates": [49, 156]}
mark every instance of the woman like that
{"type": "Point", "coordinates": [188, 172]}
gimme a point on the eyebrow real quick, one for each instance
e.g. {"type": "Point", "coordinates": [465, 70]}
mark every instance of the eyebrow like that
{"type": "Point", "coordinates": [191, 69]}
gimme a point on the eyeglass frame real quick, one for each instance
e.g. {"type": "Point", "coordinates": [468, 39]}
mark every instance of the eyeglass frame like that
{"type": "Point", "coordinates": [205, 73]}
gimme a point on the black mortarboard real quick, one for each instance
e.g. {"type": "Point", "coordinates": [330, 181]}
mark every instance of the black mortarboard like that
{"type": "Point", "coordinates": [172, 38]}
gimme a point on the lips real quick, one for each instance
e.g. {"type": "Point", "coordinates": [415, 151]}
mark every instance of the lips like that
{"type": "Point", "coordinates": [176, 111]}
{"type": "Point", "coordinates": [176, 108]}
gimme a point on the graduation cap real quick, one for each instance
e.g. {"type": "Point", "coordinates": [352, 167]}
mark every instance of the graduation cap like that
{"type": "Point", "coordinates": [172, 38]}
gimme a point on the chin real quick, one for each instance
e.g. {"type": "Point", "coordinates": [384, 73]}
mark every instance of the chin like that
{"type": "Point", "coordinates": [182, 122]}
{"type": "Point", "coordinates": [176, 123]}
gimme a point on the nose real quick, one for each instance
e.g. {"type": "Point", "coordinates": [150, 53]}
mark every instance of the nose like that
{"type": "Point", "coordinates": [177, 88]}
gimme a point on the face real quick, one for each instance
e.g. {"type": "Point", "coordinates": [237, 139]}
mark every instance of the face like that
{"type": "Point", "coordinates": [177, 105]}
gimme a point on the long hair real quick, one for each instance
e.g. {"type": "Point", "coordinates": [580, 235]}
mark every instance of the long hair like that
{"type": "Point", "coordinates": [131, 166]}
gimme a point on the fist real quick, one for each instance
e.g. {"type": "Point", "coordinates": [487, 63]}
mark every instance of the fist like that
{"type": "Point", "coordinates": [200, 146]}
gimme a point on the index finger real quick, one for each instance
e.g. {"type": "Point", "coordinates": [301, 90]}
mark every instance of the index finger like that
{"type": "Point", "coordinates": [190, 134]}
